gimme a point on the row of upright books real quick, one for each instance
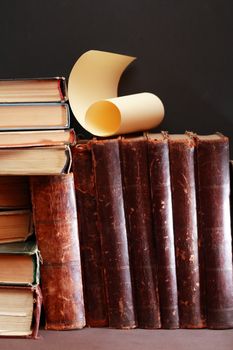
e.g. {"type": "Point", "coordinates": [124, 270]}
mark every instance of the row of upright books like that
{"type": "Point", "coordinates": [155, 233]}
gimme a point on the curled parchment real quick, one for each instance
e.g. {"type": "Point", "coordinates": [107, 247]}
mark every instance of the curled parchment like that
{"type": "Point", "coordinates": [92, 91]}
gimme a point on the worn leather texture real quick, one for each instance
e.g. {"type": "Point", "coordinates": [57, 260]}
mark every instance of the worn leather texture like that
{"type": "Point", "coordinates": [55, 219]}
{"type": "Point", "coordinates": [112, 223]}
{"type": "Point", "coordinates": [89, 233]}
{"type": "Point", "coordinates": [159, 170]}
{"type": "Point", "coordinates": [191, 309]}
{"type": "Point", "coordinates": [214, 225]}
{"type": "Point", "coordinates": [138, 212]}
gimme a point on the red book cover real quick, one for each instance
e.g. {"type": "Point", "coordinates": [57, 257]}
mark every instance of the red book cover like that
{"type": "Point", "coordinates": [138, 212]}
{"type": "Point", "coordinates": [89, 233]}
{"type": "Point", "coordinates": [158, 161]}
{"type": "Point", "coordinates": [181, 156]}
{"type": "Point", "coordinates": [213, 195]}
{"type": "Point", "coordinates": [114, 244]}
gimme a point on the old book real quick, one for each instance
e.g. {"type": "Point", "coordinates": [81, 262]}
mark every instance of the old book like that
{"type": "Point", "coordinates": [15, 139]}
{"type": "Point", "coordinates": [159, 171]}
{"type": "Point", "coordinates": [181, 156]}
{"type": "Point", "coordinates": [55, 220]}
{"type": "Point", "coordinates": [33, 90]}
{"type": "Point", "coordinates": [213, 191]}
{"type": "Point", "coordinates": [37, 116]}
{"type": "Point", "coordinates": [114, 244]}
{"type": "Point", "coordinates": [20, 311]}
{"type": "Point", "coordinates": [35, 160]}
{"type": "Point", "coordinates": [19, 263]}
{"type": "Point", "coordinates": [138, 212]}
{"type": "Point", "coordinates": [89, 234]}
{"type": "Point", "coordinates": [14, 192]}
{"type": "Point", "coordinates": [15, 225]}
{"type": "Point", "coordinates": [231, 201]}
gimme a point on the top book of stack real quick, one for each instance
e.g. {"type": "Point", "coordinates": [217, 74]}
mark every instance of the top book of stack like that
{"type": "Point", "coordinates": [33, 90]}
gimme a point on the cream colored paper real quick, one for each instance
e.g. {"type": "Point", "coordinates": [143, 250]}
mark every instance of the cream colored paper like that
{"type": "Point", "coordinates": [92, 91]}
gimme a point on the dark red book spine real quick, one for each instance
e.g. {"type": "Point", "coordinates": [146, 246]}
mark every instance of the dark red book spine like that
{"type": "Point", "coordinates": [136, 189]}
{"type": "Point", "coordinates": [113, 234]}
{"type": "Point", "coordinates": [181, 154]}
{"type": "Point", "coordinates": [213, 195]}
{"type": "Point", "coordinates": [55, 219]}
{"type": "Point", "coordinates": [89, 234]}
{"type": "Point", "coordinates": [158, 160]}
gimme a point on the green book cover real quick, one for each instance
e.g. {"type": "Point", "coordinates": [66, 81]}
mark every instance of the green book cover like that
{"type": "Point", "coordinates": [28, 248]}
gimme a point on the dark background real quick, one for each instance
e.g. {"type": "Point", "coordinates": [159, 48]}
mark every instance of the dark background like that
{"type": "Point", "coordinates": [184, 50]}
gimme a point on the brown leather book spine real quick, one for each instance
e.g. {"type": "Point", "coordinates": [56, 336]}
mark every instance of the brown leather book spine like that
{"type": "Point", "coordinates": [213, 195]}
{"type": "Point", "coordinates": [181, 154]}
{"type": "Point", "coordinates": [158, 160]}
{"type": "Point", "coordinates": [36, 311]}
{"type": "Point", "coordinates": [113, 234]}
{"type": "Point", "coordinates": [138, 212]}
{"type": "Point", "coordinates": [89, 234]}
{"type": "Point", "coordinates": [55, 219]}
{"type": "Point", "coordinates": [231, 201]}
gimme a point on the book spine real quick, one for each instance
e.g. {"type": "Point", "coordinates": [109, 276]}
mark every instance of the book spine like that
{"type": "Point", "coordinates": [214, 224]}
{"type": "Point", "coordinates": [114, 244]}
{"type": "Point", "coordinates": [181, 154]}
{"type": "Point", "coordinates": [136, 189]}
{"type": "Point", "coordinates": [158, 159]}
{"type": "Point", "coordinates": [36, 311]}
{"type": "Point", "coordinates": [92, 267]}
{"type": "Point", "coordinates": [55, 219]}
{"type": "Point", "coordinates": [231, 202]}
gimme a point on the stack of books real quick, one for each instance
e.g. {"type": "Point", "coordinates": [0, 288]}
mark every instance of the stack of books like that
{"type": "Point", "coordinates": [37, 194]}
{"type": "Point", "coordinates": [20, 297]}
{"type": "Point", "coordinates": [34, 127]}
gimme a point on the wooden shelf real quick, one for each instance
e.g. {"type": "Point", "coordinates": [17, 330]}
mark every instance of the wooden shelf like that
{"type": "Point", "coordinates": [111, 339]}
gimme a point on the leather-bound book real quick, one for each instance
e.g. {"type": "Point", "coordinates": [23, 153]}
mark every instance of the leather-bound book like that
{"type": "Point", "coordinates": [181, 156]}
{"type": "Point", "coordinates": [158, 160]}
{"type": "Point", "coordinates": [89, 235]}
{"type": "Point", "coordinates": [138, 212]}
{"type": "Point", "coordinates": [213, 193]}
{"type": "Point", "coordinates": [106, 160]}
{"type": "Point", "coordinates": [231, 201]}
{"type": "Point", "coordinates": [55, 219]}
{"type": "Point", "coordinates": [20, 309]}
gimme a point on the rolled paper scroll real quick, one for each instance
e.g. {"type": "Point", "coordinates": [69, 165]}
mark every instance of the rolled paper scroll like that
{"type": "Point", "coordinates": [92, 91]}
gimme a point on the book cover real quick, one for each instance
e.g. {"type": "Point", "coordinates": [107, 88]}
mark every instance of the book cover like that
{"type": "Point", "coordinates": [51, 160]}
{"type": "Point", "coordinates": [14, 192]}
{"type": "Point", "coordinates": [213, 195]}
{"type": "Point", "coordinates": [48, 138]}
{"type": "Point", "coordinates": [181, 156]}
{"type": "Point", "coordinates": [15, 225]}
{"type": "Point", "coordinates": [9, 252]}
{"type": "Point", "coordinates": [114, 244]}
{"type": "Point", "coordinates": [160, 182]}
{"type": "Point", "coordinates": [89, 233]}
{"type": "Point", "coordinates": [55, 220]}
{"type": "Point", "coordinates": [34, 116]}
{"type": "Point", "coordinates": [23, 320]}
{"type": "Point", "coordinates": [138, 213]}
{"type": "Point", "coordinates": [50, 89]}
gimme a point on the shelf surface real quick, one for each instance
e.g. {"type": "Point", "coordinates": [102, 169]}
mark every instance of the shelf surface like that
{"type": "Point", "coordinates": [111, 339]}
